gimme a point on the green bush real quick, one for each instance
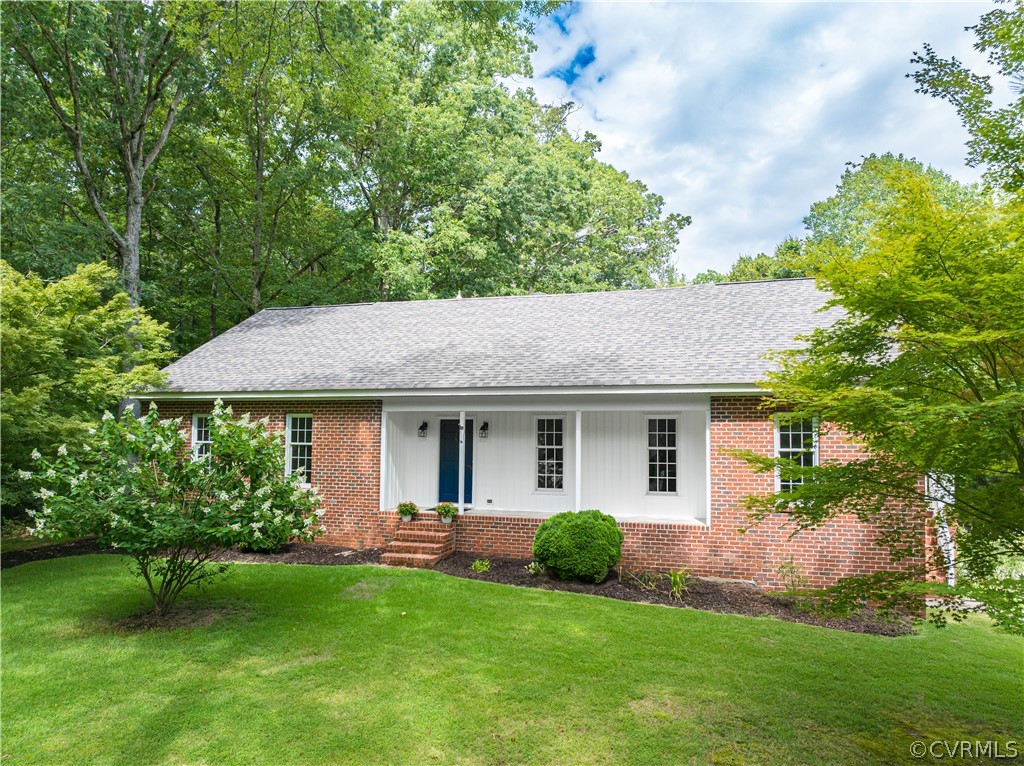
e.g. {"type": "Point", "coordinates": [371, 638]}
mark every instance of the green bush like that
{"type": "Point", "coordinates": [276, 535]}
{"type": "Point", "coordinates": [139, 489]}
{"type": "Point", "coordinates": [580, 546]}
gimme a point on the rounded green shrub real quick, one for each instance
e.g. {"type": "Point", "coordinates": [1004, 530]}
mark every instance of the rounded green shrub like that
{"type": "Point", "coordinates": [579, 546]}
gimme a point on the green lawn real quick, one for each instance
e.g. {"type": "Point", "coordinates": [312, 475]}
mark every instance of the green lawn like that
{"type": "Point", "coordinates": [367, 665]}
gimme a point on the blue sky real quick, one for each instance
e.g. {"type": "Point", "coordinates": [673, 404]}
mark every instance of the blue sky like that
{"type": "Point", "coordinates": [743, 114]}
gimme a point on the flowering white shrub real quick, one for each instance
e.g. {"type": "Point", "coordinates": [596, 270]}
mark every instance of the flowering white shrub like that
{"type": "Point", "coordinates": [141, 491]}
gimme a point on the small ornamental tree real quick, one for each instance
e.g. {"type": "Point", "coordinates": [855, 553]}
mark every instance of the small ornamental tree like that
{"type": "Point", "coordinates": [140, 490]}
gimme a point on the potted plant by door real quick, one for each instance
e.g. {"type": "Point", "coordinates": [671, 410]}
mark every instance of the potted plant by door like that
{"type": "Point", "coordinates": [408, 510]}
{"type": "Point", "coordinates": [447, 512]}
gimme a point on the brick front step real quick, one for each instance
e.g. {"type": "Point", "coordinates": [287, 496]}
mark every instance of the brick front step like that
{"type": "Point", "coordinates": [414, 560]}
{"type": "Point", "coordinates": [419, 544]}
{"type": "Point", "coordinates": [422, 535]}
{"type": "Point", "coordinates": [427, 523]}
{"type": "Point", "coordinates": [439, 548]}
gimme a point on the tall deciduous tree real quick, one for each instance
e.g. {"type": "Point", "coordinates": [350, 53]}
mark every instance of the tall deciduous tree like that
{"type": "Point", "coordinates": [847, 219]}
{"type": "Point", "coordinates": [338, 152]}
{"type": "Point", "coordinates": [926, 370]}
{"type": "Point", "coordinates": [114, 76]}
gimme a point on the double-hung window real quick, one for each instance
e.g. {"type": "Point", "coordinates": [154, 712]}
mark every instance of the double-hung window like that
{"type": "Point", "coordinates": [661, 455]}
{"type": "Point", "coordinates": [550, 453]}
{"type": "Point", "coordinates": [201, 436]}
{"type": "Point", "coordinates": [796, 441]}
{"type": "Point", "coordinates": [299, 446]}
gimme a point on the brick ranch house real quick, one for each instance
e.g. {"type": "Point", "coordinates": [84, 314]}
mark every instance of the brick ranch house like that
{"type": "Point", "coordinates": [517, 408]}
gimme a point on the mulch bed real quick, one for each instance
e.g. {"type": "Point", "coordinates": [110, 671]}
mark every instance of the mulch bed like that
{"type": "Point", "coordinates": [294, 553]}
{"type": "Point", "coordinates": [82, 547]}
{"type": "Point", "coordinates": [306, 553]}
{"type": "Point", "coordinates": [728, 596]}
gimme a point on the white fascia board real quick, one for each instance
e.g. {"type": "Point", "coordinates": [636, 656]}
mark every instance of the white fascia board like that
{"type": "Point", "coordinates": [723, 389]}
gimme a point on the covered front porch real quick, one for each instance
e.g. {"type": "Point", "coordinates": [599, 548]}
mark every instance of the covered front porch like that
{"type": "Point", "coordinates": [637, 457]}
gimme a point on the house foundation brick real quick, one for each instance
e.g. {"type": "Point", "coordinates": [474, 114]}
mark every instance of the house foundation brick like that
{"type": "Point", "coordinates": [346, 470]}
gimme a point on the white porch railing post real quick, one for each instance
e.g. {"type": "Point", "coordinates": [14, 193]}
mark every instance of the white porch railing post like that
{"type": "Point", "coordinates": [578, 481]}
{"type": "Point", "coordinates": [383, 460]}
{"type": "Point", "coordinates": [462, 460]}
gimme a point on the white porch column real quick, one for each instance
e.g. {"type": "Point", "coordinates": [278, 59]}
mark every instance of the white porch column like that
{"type": "Point", "coordinates": [383, 460]}
{"type": "Point", "coordinates": [462, 460]}
{"type": "Point", "coordinates": [578, 483]}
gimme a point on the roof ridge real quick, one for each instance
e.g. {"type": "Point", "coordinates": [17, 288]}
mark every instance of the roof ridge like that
{"type": "Point", "coordinates": [627, 291]}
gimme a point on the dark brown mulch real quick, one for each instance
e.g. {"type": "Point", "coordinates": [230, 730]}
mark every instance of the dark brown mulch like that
{"type": "Point", "coordinates": [731, 597]}
{"type": "Point", "coordinates": [306, 553]}
{"type": "Point", "coordinates": [81, 547]}
{"type": "Point", "coordinates": [295, 553]}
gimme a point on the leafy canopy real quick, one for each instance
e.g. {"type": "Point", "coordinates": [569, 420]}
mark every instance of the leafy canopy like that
{"type": "Point", "coordinates": [925, 369]}
{"type": "Point", "coordinates": [66, 345]}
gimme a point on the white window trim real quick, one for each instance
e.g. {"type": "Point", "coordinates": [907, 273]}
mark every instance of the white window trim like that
{"type": "Point", "coordinates": [648, 417]}
{"type": "Point", "coordinates": [565, 447]}
{"type": "Point", "coordinates": [288, 441]}
{"type": "Point", "coordinates": [816, 454]}
{"type": "Point", "coordinates": [195, 431]}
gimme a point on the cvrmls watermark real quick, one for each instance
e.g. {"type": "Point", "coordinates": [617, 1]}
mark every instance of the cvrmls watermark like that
{"type": "Point", "coordinates": [964, 749]}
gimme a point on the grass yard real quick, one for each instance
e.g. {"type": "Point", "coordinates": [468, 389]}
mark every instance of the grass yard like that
{"type": "Point", "coordinates": [365, 665]}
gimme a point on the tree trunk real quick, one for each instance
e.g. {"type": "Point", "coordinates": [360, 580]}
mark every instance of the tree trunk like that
{"type": "Point", "coordinates": [129, 245]}
{"type": "Point", "coordinates": [216, 273]}
{"type": "Point", "coordinates": [257, 226]}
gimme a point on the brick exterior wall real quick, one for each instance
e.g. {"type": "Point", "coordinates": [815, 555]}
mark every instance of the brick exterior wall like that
{"type": "Point", "coordinates": [346, 460]}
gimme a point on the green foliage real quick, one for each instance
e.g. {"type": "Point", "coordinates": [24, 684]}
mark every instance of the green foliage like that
{"type": "Point", "coordinates": [643, 580]}
{"type": "Point", "coordinates": [66, 345]}
{"type": "Point", "coordinates": [97, 88]}
{"type": "Point", "coordinates": [792, 577]}
{"type": "Point", "coordinates": [535, 568]}
{"type": "Point", "coordinates": [710, 277]}
{"type": "Point", "coordinates": [996, 130]}
{"type": "Point", "coordinates": [139, 490]}
{"type": "Point", "coordinates": [925, 369]}
{"type": "Point", "coordinates": [787, 262]}
{"type": "Point", "coordinates": [843, 224]}
{"type": "Point", "coordinates": [320, 153]}
{"type": "Point", "coordinates": [407, 508]}
{"type": "Point", "coordinates": [481, 565]}
{"type": "Point", "coordinates": [583, 545]}
{"type": "Point", "coordinates": [447, 510]}
{"type": "Point", "coordinates": [679, 582]}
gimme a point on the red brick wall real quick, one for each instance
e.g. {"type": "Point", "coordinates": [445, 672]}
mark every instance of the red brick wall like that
{"type": "Point", "coordinates": [346, 459]}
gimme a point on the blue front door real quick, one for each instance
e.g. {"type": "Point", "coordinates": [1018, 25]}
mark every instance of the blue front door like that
{"type": "Point", "coordinates": [448, 480]}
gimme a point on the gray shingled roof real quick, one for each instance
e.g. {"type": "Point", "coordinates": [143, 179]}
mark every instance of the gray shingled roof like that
{"type": "Point", "coordinates": [684, 336]}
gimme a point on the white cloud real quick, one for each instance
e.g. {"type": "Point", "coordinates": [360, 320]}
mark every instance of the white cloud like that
{"type": "Point", "coordinates": [744, 114]}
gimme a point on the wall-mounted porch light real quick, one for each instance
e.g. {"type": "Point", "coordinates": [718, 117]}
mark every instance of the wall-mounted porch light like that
{"type": "Point", "coordinates": [484, 430]}
{"type": "Point", "coordinates": [422, 432]}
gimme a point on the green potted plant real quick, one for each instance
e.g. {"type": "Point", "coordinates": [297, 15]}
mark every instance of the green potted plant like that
{"type": "Point", "coordinates": [408, 510]}
{"type": "Point", "coordinates": [446, 511]}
